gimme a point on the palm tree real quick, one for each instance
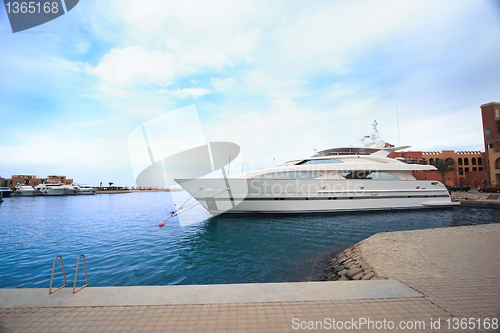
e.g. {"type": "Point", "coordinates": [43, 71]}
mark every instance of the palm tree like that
{"type": "Point", "coordinates": [443, 167]}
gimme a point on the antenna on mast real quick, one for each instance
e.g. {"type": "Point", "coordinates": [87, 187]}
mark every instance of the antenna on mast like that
{"type": "Point", "coordinates": [397, 119]}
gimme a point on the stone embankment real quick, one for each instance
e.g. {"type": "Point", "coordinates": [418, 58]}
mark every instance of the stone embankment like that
{"type": "Point", "coordinates": [475, 199]}
{"type": "Point", "coordinates": [349, 265]}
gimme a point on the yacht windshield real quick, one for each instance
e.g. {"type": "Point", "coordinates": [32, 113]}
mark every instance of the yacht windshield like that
{"type": "Point", "coordinates": [319, 161]}
{"type": "Point", "coordinates": [290, 175]}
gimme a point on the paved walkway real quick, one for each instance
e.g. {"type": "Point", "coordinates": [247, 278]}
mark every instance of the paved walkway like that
{"type": "Point", "coordinates": [456, 270]}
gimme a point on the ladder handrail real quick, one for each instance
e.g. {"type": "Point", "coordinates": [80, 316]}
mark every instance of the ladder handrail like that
{"type": "Point", "coordinates": [52, 276]}
{"type": "Point", "coordinates": [76, 273]}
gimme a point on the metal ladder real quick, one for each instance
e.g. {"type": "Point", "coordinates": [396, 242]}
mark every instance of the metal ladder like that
{"type": "Point", "coordinates": [64, 274]}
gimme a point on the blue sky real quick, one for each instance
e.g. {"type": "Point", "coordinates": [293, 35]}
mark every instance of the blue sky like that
{"type": "Point", "coordinates": [277, 78]}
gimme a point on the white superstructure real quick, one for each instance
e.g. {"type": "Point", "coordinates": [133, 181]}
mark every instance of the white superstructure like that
{"type": "Point", "coordinates": [84, 189]}
{"type": "Point", "coordinates": [24, 191]}
{"type": "Point", "coordinates": [51, 188]}
{"type": "Point", "coordinates": [333, 180]}
{"type": "Point", "coordinates": [70, 189]}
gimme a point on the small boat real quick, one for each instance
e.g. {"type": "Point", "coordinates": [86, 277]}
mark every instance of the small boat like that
{"type": "Point", "coordinates": [24, 191]}
{"type": "Point", "coordinates": [6, 192]}
{"type": "Point", "coordinates": [51, 188]}
{"type": "Point", "coordinates": [84, 189]}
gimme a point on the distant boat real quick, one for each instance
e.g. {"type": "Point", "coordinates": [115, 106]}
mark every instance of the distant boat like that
{"type": "Point", "coordinates": [6, 192]}
{"type": "Point", "coordinates": [71, 189]}
{"type": "Point", "coordinates": [84, 189]}
{"type": "Point", "coordinates": [24, 191]}
{"type": "Point", "coordinates": [51, 188]}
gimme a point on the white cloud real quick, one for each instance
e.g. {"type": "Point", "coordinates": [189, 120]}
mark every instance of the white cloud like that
{"type": "Point", "coordinates": [52, 150]}
{"type": "Point", "coordinates": [222, 85]}
{"type": "Point", "coordinates": [95, 122]}
{"type": "Point", "coordinates": [72, 66]}
{"type": "Point", "coordinates": [132, 65]}
{"type": "Point", "coordinates": [186, 92]}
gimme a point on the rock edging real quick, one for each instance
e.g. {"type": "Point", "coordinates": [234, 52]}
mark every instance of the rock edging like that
{"type": "Point", "coordinates": [349, 265]}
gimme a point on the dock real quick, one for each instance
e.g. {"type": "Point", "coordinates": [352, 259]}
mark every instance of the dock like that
{"type": "Point", "coordinates": [430, 280]}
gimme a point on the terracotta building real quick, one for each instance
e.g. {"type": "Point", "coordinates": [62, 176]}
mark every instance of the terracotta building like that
{"type": "Point", "coordinates": [473, 168]}
{"type": "Point", "coordinates": [32, 180]}
{"type": "Point", "coordinates": [60, 179]}
{"type": "Point", "coordinates": [470, 166]}
{"type": "Point", "coordinates": [25, 180]}
{"type": "Point", "coordinates": [491, 130]}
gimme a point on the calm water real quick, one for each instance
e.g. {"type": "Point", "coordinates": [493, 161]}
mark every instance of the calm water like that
{"type": "Point", "coordinates": [124, 246]}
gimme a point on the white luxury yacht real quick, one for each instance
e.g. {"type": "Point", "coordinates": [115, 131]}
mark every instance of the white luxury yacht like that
{"type": "Point", "coordinates": [51, 188]}
{"type": "Point", "coordinates": [24, 191]}
{"type": "Point", "coordinates": [333, 180]}
{"type": "Point", "coordinates": [84, 189]}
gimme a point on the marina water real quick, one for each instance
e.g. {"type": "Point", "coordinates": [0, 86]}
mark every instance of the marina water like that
{"type": "Point", "coordinates": [120, 237]}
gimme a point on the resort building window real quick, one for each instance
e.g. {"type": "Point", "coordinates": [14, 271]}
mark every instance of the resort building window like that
{"type": "Point", "coordinates": [467, 170]}
{"type": "Point", "coordinates": [497, 163]}
{"type": "Point", "coordinates": [473, 161]}
{"type": "Point", "coordinates": [480, 161]}
{"type": "Point", "coordinates": [488, 133]}
{"type": "Point", "coordinates": [466, 161]}
{"type": "Point", "coordinates": [461, 171]}
{"type": "Point", "coordinates": [480, 168]}
{"type": "Point", "coordinates": [431, 161]}
{"type": "Point", "coordinates": [474, 169]}
{"type": "Point", "coordinates": [460, 161]}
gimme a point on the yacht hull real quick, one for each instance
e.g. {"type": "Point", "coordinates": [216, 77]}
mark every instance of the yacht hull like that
{"type": "Point", "coordinates": [52, 192]}
{"type": "Point", "coordinates": [85, 193]}
{"type": "Point", "coordinates": [235, 195]}
{"type": "Point", "coordinates": [25, 194]}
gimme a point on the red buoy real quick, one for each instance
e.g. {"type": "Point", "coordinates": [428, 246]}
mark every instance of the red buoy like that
{"type": "Point", "coordinates": [161, 224]}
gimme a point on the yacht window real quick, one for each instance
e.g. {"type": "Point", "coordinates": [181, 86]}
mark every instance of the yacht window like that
{"type": "Point", "coordinates": [325, 161]}
{"type": "Point", "coordinates": [382, 176]}
{"type": "Point", "coordinates": [290, 175]}
{"type": "Point", "coordinates": [370, 175]}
